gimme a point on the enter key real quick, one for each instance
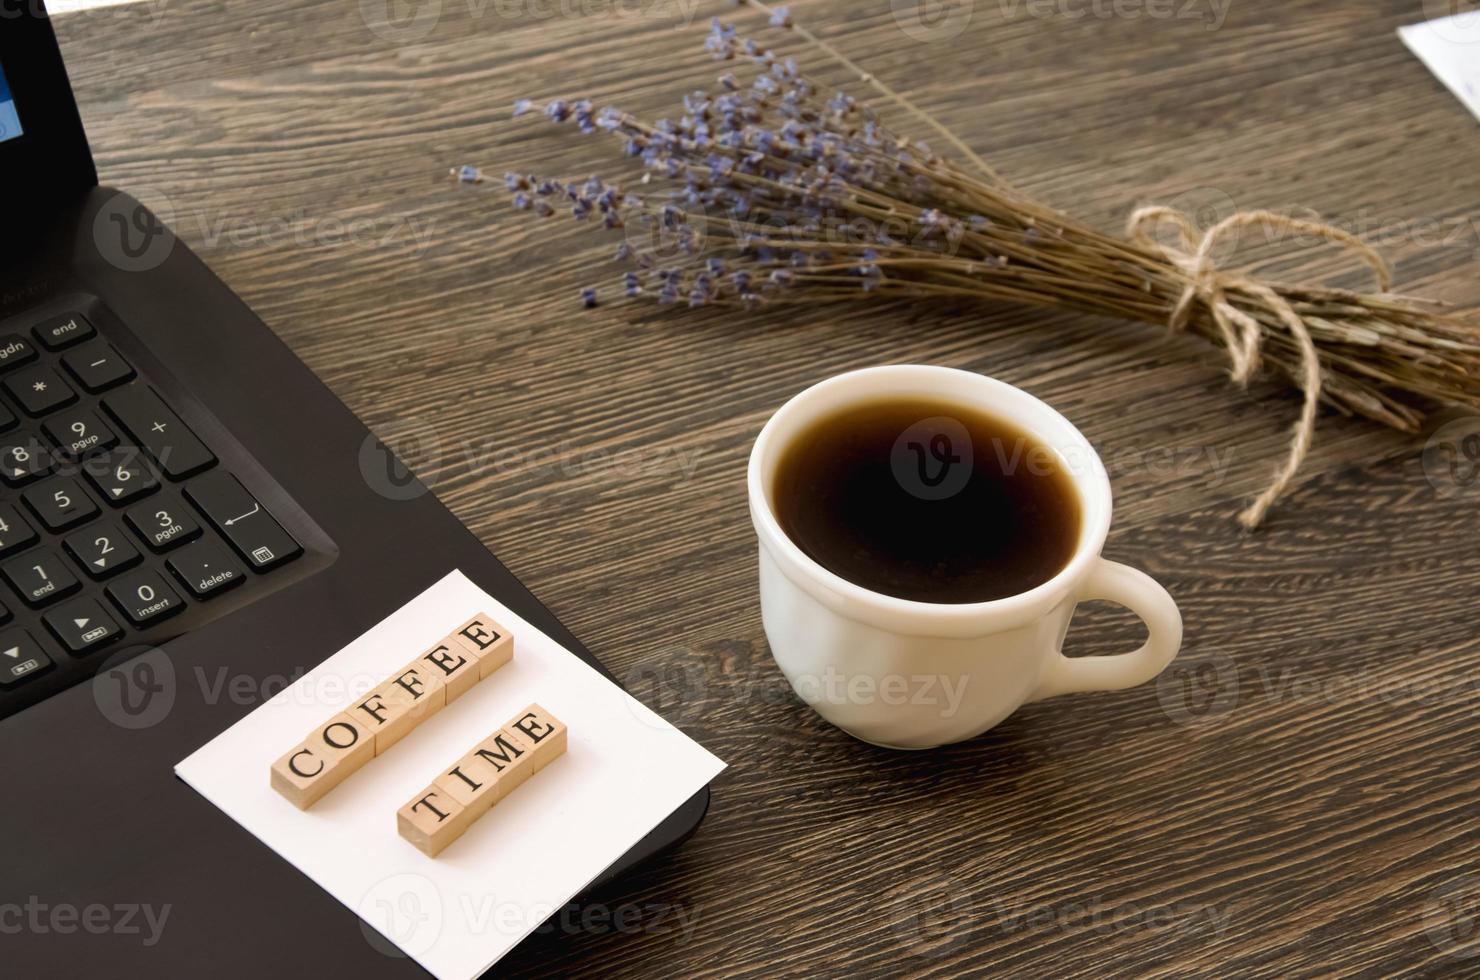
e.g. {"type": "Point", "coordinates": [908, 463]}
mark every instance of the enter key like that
{"type": "Point", "coordinates": [242, 520]}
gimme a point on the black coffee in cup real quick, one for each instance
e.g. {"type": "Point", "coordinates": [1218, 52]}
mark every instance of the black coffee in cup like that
{"type": "Point", "coordinates": [928, 500]}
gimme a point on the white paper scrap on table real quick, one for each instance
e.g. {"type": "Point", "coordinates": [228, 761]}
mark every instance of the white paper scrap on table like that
{"type": "Point", "coordinates": [625, 769]}
{"type": "Point", "coordinates": [1450, 46]}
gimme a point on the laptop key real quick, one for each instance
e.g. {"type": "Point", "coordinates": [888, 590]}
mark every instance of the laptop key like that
{"type": "Point", "coordinates": [63, 331]}
{"type": "Point", "coordinates": [39, 390]}
{"type": "Point", "coordinates": [102, 549]}
{"type": "Point", "coordinates": [78, 431]}
{"type": "Point", "coordinates": [97, 366]}
{"type": "Point", "coordinates": [164, 522]}
{"type": "Point", "coordinates": [82, 625]}
{"type": "Point", "coordinates": [40, 577]}
{"type": "Point", "coordinates": [8, 419]}
{"type": "Point", "coordinates": [244, 522]}
{"type": "Point", "coordinates": [121, 475]}
{"type": "Point", "coordinates": [23, 458]}
{"type": "Point", "coordinates": [207, 568]}
{"type": "Point", "coordinates": [20, 657]}
{"type": "Point", "coordinates": [153, 425]}
{"type": "Point", "coordinates": [15, 531]}
{"type": "Point", "coordinates": [60, 503]}
{"type": "Point", "coordinates": [144, 596]}
{"type": "Point", "coordinates": [15, 350]}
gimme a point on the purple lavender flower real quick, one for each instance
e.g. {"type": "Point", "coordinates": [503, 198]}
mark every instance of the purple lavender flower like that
{"type": "Point", "coordinates": [522, 106]}
{"type": "Point", "coordinates": [558, 110]}
{"type": "Point", "coordinates": [781, 17]}
{"type": "Point", "coordinates": [468, 174]}
{"type": "Point", "coordinates": [588, 297]}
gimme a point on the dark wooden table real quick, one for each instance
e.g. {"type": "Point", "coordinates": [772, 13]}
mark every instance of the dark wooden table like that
{"type": "Point", "coordinates": [1298, 795]}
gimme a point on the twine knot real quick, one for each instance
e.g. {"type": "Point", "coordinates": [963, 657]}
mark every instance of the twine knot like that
{"type": "Point", "coordinates": [1241, 332]}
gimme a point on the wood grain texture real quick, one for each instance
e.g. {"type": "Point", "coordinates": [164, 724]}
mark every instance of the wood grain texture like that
{"type": "Point", "coordinates": [1297, 796]}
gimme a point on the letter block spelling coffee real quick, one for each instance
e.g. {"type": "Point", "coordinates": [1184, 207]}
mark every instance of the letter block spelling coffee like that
{"type": "Point", "coordinates": [495, 767]}
{"type": "Point", "coordinates": [382, 718]}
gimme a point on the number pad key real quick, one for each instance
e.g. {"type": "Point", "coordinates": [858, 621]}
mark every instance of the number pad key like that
{"type": "Point", "coordinates": [243, 521]}
{"type": "Point", "coordinates": [102, 550]}
{"type": "Point", "coordinates": [39, 389]}
{"type": "Point", "coordinates": [207, 568]}
{"type": "Point", "coordinates": [15, 531]}
{"type": "Point", "coordinates": [78, 432]}
{"type": "Point", "coordinates": [97, 366]}
{"type": "Point", "coordinates": [164, 522]}
{"type": "Point", "coordinates": [121, 475]}
{"type": "Point", "coordinates": [23, 458]}
{"type": "Point", "coordinates": [144, 596]}
{"type": "Point", "coordinates": [40, 577]}
{"type": "Point", "coordinates": [60, 503]}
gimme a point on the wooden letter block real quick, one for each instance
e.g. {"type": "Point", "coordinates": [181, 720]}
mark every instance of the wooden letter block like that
{"type": "Point", "coordinates": [456, 668]}
{"type": "Point", "coordinates": [400, 704]}
{"type": "Point", "coordinates": [486, 640]}
{"type": "Point", "coordinates": [470, 787]}
{"type": "Point", "coordinates": [334, 751]}
{"type": "Point", "coordinates": [433, 820]}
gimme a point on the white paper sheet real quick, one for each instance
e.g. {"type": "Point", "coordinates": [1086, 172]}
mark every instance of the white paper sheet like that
{"type": "Point", "coordinates": [624, 771]}
{"type": "Point", "coordinates": [1450, 47]}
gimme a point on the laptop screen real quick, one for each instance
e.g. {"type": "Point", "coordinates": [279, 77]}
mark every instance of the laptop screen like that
{"type": "Point", "coordinates": [10, 123]}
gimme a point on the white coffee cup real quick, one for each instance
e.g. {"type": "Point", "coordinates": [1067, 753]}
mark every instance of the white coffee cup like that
{"type": "Point", "coordinates": [907, 674]}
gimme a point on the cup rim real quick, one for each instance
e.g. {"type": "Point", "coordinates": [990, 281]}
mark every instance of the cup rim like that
{"type": "Point", "coordinates": [1093, 487]}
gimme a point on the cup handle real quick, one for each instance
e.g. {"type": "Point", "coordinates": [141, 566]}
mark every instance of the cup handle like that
{"type": "Point", "coordinates": [1141, 594]}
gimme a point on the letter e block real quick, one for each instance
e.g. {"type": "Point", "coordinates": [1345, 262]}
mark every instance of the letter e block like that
{"type": "Point", "coordinates": [486, 640]}
{"type": "Point", "coordinates": [455, 667]}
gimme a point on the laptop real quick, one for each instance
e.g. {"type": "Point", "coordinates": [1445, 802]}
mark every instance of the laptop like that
{"type": "Point", "coordinates": [188, 520]}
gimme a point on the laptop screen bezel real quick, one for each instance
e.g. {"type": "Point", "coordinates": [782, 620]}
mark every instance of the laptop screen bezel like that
{"type": "Point", "coordinates": [51, 154]}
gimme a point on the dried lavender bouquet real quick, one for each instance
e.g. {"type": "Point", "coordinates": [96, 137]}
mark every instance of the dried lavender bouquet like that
{"type": "Point", "coordinates": [767, 192]}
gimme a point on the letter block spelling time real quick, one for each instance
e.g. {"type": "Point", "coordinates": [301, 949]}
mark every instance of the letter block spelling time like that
{"type": "Point", "coordinates": [470, 787]}
{"type": "Point", "coordinates": [411, 695]}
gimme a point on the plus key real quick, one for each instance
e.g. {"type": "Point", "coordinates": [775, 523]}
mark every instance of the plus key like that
{"type": "Point", "coordinates": [154, 426]}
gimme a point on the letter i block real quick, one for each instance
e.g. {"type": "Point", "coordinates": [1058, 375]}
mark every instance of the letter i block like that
{"type": "Point", "coordinates": [486, 640]}
{"type": "Point", "coordinates": [400, 704]}
{"type": "Point", "coordinates": [324, 760]}
{"type": "Point", "coordinates": [496, 767]}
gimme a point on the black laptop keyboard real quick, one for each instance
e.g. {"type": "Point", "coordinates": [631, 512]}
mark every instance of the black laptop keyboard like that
{"type": "Point", "coordinates": [116, 519]}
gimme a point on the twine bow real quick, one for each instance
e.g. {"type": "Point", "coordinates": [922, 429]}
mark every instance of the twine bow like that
{"type": "Point", "coordinates": [1241, 333]}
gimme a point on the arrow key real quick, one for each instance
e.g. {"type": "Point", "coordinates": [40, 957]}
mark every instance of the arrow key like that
{"type": "Point", "coordinates": [82, 625]}
{"type": "Point", "coordinates": [102, 549]}
{"type": "Point", "coordinates": [121, 475]}
{"type": "Point", "coordinates": [23, 458]}
{"type": "Point", "coordinates": [20, 657]}
{"type": "Point", "coordinates": [15, 531]}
